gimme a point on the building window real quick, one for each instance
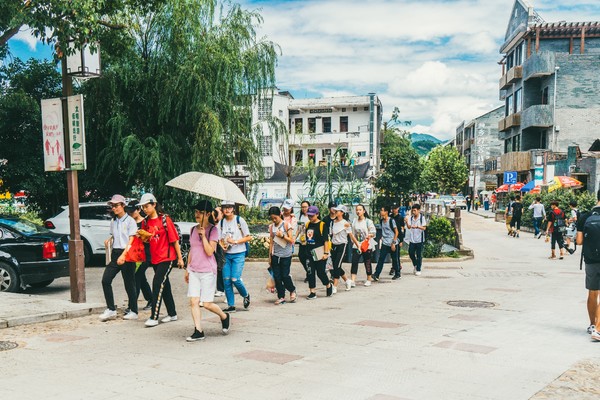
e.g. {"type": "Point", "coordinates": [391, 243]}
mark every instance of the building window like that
{"type": "Point", "coordinates": [268, 171]}
{"type": "Point", "coordinates": [362, 153]}
{"type": "Point", "coordinates": [518, 100]}
{"type": "Point", "coordinates": [266, 145]}
{"type": "Point", "coordinates": [326, 124]}
{"type": "Point", "coordinates": [312, 125]}
{"type": "Point", "coordinates": [325, 153]}
{"type": "Point", "coordinates": [343, 109]}
{"type": "Point", "coordinates": [516, 143]}
{"type": "Point", "coordinates": [298, 125]}
{"type": "Point", "coordinates": [508, 145]}
{"type": "Point", "coordinates": [241, 158]}
{"type": "Point", "coordinates": [508, 107]}
{"type": "Point", "coordinates": [299, 158]}
{"type": "Point", "coordinates": [265, 108]}
{"type": "Point", "coordinates": [343, 124]}
{"type": "Point", "coordinates": [354, 109]}
{"type": "Point", "coordinates": [366, 109]}
{"type": "Point", "coordinates": [545, 95]}
{"type": "Point", "coordinates": [311, 154]}
{"type": "Point", "coordinates": [280, 113]}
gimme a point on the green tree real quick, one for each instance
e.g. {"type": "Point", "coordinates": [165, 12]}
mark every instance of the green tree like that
{"type": "Point", "coordinates": [401, 165]}
{"type": "Point", "coordinates": [445, 170]}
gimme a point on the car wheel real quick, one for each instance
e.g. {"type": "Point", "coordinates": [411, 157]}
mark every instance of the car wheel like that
{"type": "Point", "coordinates": [87, 253]}
{"type": "Point", "coordinates": [42, 284]}
{"type": "Point", "coordinates": [9, 280]}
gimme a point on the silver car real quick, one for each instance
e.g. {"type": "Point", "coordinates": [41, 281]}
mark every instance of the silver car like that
{"type": "Point", "coordinates": [460, 201]}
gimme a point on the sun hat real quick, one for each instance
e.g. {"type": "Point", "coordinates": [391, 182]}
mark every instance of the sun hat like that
{"type": "Point", "coordinates": [116, 199]}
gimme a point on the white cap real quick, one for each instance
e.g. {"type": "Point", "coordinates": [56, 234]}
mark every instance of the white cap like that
{"type": "Point", "coordinates": [288, 204]}
{"type": "Point", "coordinates": [227, 203]}
{"type": "Point", "coordinates": [147, 198]}
{"type": "Point", "coordinates": [341, 208]}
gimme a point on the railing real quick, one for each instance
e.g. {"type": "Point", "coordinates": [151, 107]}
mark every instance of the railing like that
{"type": "Point", "coordinates": [511, 76]}
{"type": "Point", "coordinates": [538, 65]}
{"type": "Point", "coordinates": [510, 121]}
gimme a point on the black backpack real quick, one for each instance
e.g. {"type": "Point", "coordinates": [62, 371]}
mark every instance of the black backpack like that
{"type": "Point", "coordinates": [591, 239]}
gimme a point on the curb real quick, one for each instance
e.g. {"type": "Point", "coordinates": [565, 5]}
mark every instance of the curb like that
{"type": "Point", "coordinates": [402, 259]}
{"type": "Point", "coordinates": [50, 316]}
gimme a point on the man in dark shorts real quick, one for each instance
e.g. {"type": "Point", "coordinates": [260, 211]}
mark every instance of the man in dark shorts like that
{"type": "Point", "coordinates": [517, 213]}
{"type": "Point", "coordinates": [592, 277]}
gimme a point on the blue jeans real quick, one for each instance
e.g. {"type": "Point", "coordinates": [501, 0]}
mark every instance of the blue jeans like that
{"type": "Point", "coordinates": [383, 252]}
{"type": "Point", "coordinates": [536, 225]}
{"type": "Point", "coordinates": [232, 275]}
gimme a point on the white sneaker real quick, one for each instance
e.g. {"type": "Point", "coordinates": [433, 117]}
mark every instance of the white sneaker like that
{"type": "Point", "coordinates": [596, 336]}
{"type": "Point", "coordinates": [367, 283]}
{"type": "Point", "coordinates": [151, 322]}
{"type": "Point", "coordinates": [130, 316]}
{"type": "Point", "coordinates": [219, 294]}
{"type": "Point", "coordinates": [334, 289]}
{"type": "Point", "coordinates": [353, 283]}
{"type": "Point", "coordinates": [591, 329]}
{"type": "Point", "coordinates": [108, 314]}
{"type": "Point", "coordinates": [348, 284]}
{"type": "Point", "coordinates": [169, 318]}
{"type": "Point", "coordinates": [418, 273]}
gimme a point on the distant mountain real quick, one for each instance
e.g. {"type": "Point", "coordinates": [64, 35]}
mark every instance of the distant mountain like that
{"type": "Point", "coordinates": [421, 137]}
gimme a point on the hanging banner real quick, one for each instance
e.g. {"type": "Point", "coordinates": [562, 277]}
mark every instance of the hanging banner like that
{"type": "Point", "coordinates": [76, 132]}
{"type": "Point", "coordinates": [52, 135]}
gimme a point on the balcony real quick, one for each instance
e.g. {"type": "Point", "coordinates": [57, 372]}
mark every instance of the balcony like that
{"type": "Point", "coordinates": [509, 122]}
{"type": "Point", "coordinates": [324, 138]}
{"type": "Point", "coordinates": [513, 75]}
{"type": "Point", "coordinates": [516, 161]}
{"type": "Point", "coordinates": [539, 65]}
{"type": "Point", "coordinates": [538, 116]}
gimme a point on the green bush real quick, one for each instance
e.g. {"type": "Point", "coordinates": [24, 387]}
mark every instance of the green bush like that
{"type": "Point", "coordinates": [585, 202]}
{"type": "Point", "coordinates": [30, 216]}
{"type": "Point", "coordinates": [439, 232]}
{"type": "Point", "coordinates": [259, 247]}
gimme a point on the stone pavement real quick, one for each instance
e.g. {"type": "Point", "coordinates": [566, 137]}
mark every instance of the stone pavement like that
{"type": "Point", "coordinates": [520, 336]}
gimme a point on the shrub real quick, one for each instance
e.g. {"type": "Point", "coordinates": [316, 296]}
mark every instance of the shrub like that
{"type": "Point", "coordinates": [259, 247]}
{"type": "Point", "coordinates": [439, 232]}
{"type": "Point", "coordinates": [585, 202]}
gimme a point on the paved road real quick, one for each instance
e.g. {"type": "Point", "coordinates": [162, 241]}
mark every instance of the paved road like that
{"type": "Point", "coordinates": [393, 340]}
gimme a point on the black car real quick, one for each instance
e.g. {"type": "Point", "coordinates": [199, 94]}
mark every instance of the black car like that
{"type": "Point", "coordinates": [30, 255]}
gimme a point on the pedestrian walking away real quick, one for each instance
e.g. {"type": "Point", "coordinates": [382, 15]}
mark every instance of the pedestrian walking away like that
{"type": "Point", "coordinates": [122, 233]}
{"type": "Point", "coordinates": [539, 213]}
{"type": "Point", "coordinates": [388, 244]}
{"type": "Point", "coordinates": [364, 231]}
{"type": "Point", "coordinates": [303, 252]}
{"type": "Point", "coordinates": [214, 218]}
{"type": "Point", "coordinates": [517, 213]}
{"type": "Point", "coordinates": [556, 228]}
{"type": "Point", "coordinates": [280, 255]}
{"type": "Point", "coordinates": [416, 224]}
{"type": "Point", "coordinates": [160, 232]}
{"type": "Point", "coordinates": [588, 236]}
{"type": "Point", "coordinates": [201, 271]}
{"type": "Point", "coordinates": [571, 230]}
{"type": "Point", "coordinates": [234, 234]}
{"type": "Point", "coordinates": [141, 282]}
{"type": "Point", "coordinates": [318, 246]}
{"type": "Point", "coordinates": [340, 231]}
{"type": "Point", "coordinates": [399, 220]}
{"type": "Point", "coordinates": [508, 215]}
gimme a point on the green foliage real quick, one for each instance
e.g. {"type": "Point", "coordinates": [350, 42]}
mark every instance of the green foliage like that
{"type": "Point", "coordinates": [439, 232]}
{"type": "Point", "coordinates": [445, 170]}
{"type": "Point", "coordinates": [400, 166]}
{"type": "Point", "coordinates": [424, 147]}
{"type": "Point", "coordinates": [30, 216]}
{"type": "Point", "coordinates": [259, 247]}
{"type": "Point", "coordinates": [585, 202]}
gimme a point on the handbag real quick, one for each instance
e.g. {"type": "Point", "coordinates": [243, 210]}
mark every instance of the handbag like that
{"type": "Point", "coordinates": [364, 245]}
{"type": "Point", "coordinates": [136, 252]}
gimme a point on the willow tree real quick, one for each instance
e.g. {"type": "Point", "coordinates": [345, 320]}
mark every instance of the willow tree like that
{"type": "Point", "coordinates": [177, 96]}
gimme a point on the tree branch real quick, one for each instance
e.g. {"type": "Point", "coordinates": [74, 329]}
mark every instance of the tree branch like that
{"type": "Point", "coordinates": [7, 35]}
{"type": "Point", "coordinates": [111, 25]}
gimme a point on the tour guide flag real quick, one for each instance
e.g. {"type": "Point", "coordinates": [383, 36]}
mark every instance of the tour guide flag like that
{"type": "Point", "coordinates": [52, 131]}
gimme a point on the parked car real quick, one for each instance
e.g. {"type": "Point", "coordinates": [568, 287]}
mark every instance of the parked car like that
{"type": "Point", "coordinates": [30, 255]}
{"type": "Point", "coordinates": [460, 201]}
{"type": "Point", "coordinates": [449, 201]}
{"type": "Point", "coordinates": [94, 225]}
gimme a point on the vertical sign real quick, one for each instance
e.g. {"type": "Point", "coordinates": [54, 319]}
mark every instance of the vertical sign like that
{"type": "Point", "coordinates": [76, 132]}
{"type": "Point", "coordinates": [539, 176]}
{"type": "Point", "coordinates": [52, 135]}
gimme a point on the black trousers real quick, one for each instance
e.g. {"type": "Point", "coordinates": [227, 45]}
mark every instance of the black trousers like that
{"type": "Point", "coordinates": [141, 283]}
{"type": "Point", "coordinates": [316, 268]}
{"type": "Point", "coordinates": [281, 274]}
{"type": "Point", "coordinates": [127, 270]}
{"type": "Point", "coordinates": [366, 256]}
{"type": "Point", "coordinates": [161, 289]}
{"type": "Point", "coordinates": [557, 237]}
{"type": "Point", "coordinates": [304, 255]}
{"type": "Point", "coordinates": [338, 251]}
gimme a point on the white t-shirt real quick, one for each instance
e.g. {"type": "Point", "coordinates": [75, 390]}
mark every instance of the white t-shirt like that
{"type": "Point", "coordinates": [362, 229]}
{"type": "Point", "coordinates": [340, 231]}
{"type": "Point", "coordinates": [416, 235]}
{"type": "Point", "coordinates": [230, 229]}
{"type": "Point", "coordinates": [121, 229]}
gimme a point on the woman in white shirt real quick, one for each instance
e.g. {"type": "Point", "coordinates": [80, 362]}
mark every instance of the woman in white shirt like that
{"type": "Point", "coordinates": [340, 231]}
{"type": "Point", "coordinates": [363, 230]}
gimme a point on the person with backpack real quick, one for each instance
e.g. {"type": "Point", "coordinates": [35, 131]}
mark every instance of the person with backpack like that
{"type": "Point", "coordinates": [364, 231]}
{"type": "Point", "coordinates": [517, 214]}
{"type": "Point", "coordinates": [318, 246]}
{"type": "Point", "coordinates": [160, 232]}
{"type": "Point", "coordinates": [588, 236]}
{"type": "Point", "coordinates": [399, 220]}
{"type": "Point", "coordinates": [556, 228]}
{"type": "Point", "coordinates": [571, 231]}
{"type": "Point", "coordinates": [340, 231]}
{"type": "Point", "coordinates": [388, 244]}
{"type": "Point", "coordinates": [141, 282]}
{"type": "Point", "coordinates": [281, 235]}
{"type": "Point", "coordinates": [201, 271]}
{"type": "Point", "coordinates": [303, 253]}
{"type": "Point", "coordinates": [122, 234]}
{"type": "Point", "coordinates": [234, 237]}
{"type": "Point", "coordinates": [508, 215]}
{"type": "Point", "coordinates": [416, 224]}
{"type": "Point", "coordinates": [539, 213]}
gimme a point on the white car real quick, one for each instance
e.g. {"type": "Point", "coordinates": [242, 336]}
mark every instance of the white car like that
{"type": "Point", "coordinates": [94, 225]}
{"type": "Point", "coordinates": [460, 201]}
{"type": "Point", "coordinates": [448, 201]}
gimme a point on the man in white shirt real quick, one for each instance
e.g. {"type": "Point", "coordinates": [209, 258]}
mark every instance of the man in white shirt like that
{"type": "Point", "coordinates": [416, 224]}
{"type": "Point", "coordinates": [538, 216]}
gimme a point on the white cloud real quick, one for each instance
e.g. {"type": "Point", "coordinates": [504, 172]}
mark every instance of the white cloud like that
{"type": "Point", "coordinates": [24, 35]}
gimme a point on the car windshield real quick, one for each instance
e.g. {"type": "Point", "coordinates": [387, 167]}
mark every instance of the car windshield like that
{"type": "Point", "coordinates": [446, 197]}
{"type": "Point", "coordinates": [23, 227]}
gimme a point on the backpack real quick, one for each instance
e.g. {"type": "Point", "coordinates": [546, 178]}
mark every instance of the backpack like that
{"type": "Point", "coordinates": [591, 239]}
{"type": "Point", "coordinates": [559, 221]}
{"type": "Point", "coordinates": [517, 208]}
{"type": "Point", "coordinates": [237, 220]}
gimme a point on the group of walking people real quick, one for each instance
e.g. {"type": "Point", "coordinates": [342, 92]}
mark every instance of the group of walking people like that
{"type": "Point", "coordinates": [219, 247]}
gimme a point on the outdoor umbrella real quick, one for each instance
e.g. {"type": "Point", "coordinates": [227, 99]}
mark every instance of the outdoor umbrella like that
{"type": "Point", "coordinates": [535, 190]}
{"type": "Point", "coordinates": [209, 185]}
{"type": "Point", "coordinates": [513, 188]}
{"type": "Point", "coordinates": [529, 186]}
{"type": "Point", "coordinates": [564, 181]}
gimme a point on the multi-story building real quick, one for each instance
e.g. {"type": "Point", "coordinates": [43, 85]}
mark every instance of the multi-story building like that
{"type": "Point", "coordinates": [551, 89]}
{"type": "Point", "coordinates": [295, 131]}
{"type": "Point", "coordinates": [477, 140]}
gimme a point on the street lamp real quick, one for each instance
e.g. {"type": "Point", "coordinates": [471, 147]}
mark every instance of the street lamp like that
{"type": "Point", "coordinates": [82, 64]}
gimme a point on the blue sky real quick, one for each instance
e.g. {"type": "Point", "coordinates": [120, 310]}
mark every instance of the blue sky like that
{"type": "Point", "coordinates": [434, 59]}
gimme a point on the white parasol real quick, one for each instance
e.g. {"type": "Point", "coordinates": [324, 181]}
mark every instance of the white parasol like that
{"type": "Point", "coordinates": [209, 185]}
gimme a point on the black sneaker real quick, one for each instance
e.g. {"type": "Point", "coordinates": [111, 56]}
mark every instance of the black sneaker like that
{"type": "Point", "coordinates": [148, 306]}
{"type": "Point", "coordinates": [329, 289]}
{"type": "Point", "coordinates": [195, 336]}
{"type": "Point", "coordinates": [375, 278]}
{"type": "Point", "coordinates": [395, 277]}
{"type": "Point", "coordinates": [247, 301]}
{"type": "Point", "coordinates": [571, 251]}
{"type": "Point", "coordinates": [225, 323]}
{"type": "Point", "coordinates": [229, 309]}
{"type": "Point", "coordinates": [311, 296]}
{"type": "Point", "coordinates": [392, 272]}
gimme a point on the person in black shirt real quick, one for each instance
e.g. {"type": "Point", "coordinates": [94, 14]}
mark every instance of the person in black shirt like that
{"type": "Point", "coordinates": [317, 239]}
{"type": "Point", "coordinates": [399, 220]}
{"type": "Point", "coordinates": [592, 277]}
{"type": "Point", "coordinates": [328, 219]}
{"type": "Point", "coordinates": [555, 215]}
{"type": "Point", "coordinates": [517, 213]}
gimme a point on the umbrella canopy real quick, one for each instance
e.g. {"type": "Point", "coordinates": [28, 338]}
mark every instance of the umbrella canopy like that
{"type": "Point", "coordinates": [209, 185]}
{"type": "Point", "coordinates": [529, 186]}
{"type": "Point", "coordinates": [513, 188]}
{"type": "Point", "coordinates": [564, 181]}
{"type": "Point", "coordinates": [536, 190]}
{"type": "Point", "coordinates": [484, 192]}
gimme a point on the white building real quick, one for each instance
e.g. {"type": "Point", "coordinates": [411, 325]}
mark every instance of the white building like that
{"type": "Point", "coordinates": [317, 129]}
